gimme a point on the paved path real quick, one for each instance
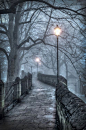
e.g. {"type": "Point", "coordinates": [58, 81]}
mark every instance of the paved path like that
{"type": "Point", "coordinates": [35, 112]}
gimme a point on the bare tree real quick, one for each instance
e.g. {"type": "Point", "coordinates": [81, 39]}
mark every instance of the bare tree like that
{"type": "Point", "coordinates": [33, 24]}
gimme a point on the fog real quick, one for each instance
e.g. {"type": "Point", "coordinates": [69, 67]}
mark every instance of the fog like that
{"type": "Point", "coordinates": [29, 34]}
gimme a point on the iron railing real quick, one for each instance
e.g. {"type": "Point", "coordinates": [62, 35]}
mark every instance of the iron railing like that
{"type": "Point", "coordinates": [15, 90]}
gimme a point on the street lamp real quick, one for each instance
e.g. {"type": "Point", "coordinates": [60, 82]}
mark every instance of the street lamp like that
{"type": "Point", "coordinates": [31, 69]}
{"type": "Point", "coordinates": [37, 60]}
{"type": "Point", "coordinates": [57, 32]}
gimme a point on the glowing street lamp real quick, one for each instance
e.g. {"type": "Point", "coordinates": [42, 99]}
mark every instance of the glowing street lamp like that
{"type": "Point", "coordinates": [37, 60]}
{"type": "Point", "coordinates": [57, 32]}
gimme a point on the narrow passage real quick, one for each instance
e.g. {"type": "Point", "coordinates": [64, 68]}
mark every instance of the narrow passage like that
{"type": "Point", "coordinates": [35, 112]}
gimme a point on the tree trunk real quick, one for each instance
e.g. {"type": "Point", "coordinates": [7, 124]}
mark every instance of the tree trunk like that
{"type": "Point", "coordinates": [11, 68]}
{"type": "Point", "coordinates": [0, 71]}
{"type": "Point", "coordinates": [13, 65]}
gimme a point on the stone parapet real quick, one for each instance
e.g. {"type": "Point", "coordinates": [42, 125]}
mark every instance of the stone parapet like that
{"type": "Point", "coordinates": [70, 108]}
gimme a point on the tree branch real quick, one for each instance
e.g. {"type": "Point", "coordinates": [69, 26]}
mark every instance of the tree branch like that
{"type": "Point", "coordinates": [27, 48]}
{"type": "Point", "coordinates": [3, 50]}
{"type": "Point", "coordinates": [12, 9]}
{"type": "Point", "coordinates": [27, 40]}
{"type": "Point", "coordinates": [7, 11]}
{"type": "Point", "coordinates": [3, 32]}
{"type": "Point", "coordinates": [3, 26]}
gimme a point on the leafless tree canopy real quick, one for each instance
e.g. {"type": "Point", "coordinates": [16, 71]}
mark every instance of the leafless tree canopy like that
{"type": "Point", "coordinates": [27, 31]}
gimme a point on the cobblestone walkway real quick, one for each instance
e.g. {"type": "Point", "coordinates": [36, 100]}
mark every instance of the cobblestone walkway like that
{"type": "Point", "coordinates": [35, 112]}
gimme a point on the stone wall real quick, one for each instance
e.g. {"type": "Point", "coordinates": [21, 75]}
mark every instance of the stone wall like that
{"type": "Point", "coordinates": [70, 109]}
{"type": "Point", "coordinates": [51, 79]}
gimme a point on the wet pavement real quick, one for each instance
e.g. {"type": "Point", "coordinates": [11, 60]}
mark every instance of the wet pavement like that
{"type": "Point", "coordinates": [35, 112]}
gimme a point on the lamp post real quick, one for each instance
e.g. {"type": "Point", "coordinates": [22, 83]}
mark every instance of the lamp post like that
{"type": "Point", "coordinates": [31, 69]}
{"type": "Point", "coordinates": [37, 60]}
{"type": "Point", "coordinates": [57, 32]}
